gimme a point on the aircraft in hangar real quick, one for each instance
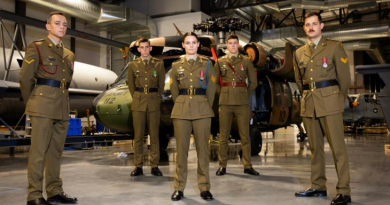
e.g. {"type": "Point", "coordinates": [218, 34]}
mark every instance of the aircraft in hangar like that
{"type": "Point", "coordinates": [274, 104]}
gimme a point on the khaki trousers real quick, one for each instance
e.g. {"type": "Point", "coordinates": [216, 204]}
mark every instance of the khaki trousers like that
{"type": "Point", "coordinates": [183, 129]}
{"type": "Point", "coordinates": [331, 127]}
{"type": "Point", "coordinates": [47, 142]}
{"type": "Point", "coordinates": [139, 121]}
{"type": "Point", "coordinates": [226, 113]}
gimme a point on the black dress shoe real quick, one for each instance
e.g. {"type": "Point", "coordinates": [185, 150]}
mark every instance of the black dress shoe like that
{"type": "Point", "coordinates": [251, 171]}
{"type": "Point", "coordinates": [137, 171]}
{"type": "Point", "coordinates": [177, 195]}
{"type": "Point", "coordinates": [40, 201]}
{"type": "Point", "coordinates": [309, 192]}
{"type": "Point", "coordinates": [221, 171]}
{"type": "Point", "coordinates": [62, 198]}
{"type": "Point", "coordinates": [341, 199]}
{"type": "Point", "coordinates": [156, 171]}
{"type": "Point", "coordinates": [206, 195]}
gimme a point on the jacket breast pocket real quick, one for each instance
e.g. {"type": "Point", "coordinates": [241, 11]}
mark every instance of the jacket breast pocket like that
{"type": "Point", "coordinates": [178, 107]}
{"type": "Point", "coordinates": [323, 69]}
{"type": "Point", "coordinates": [49, 67]}
{"type": "Point", "coordinates": [333, 99]}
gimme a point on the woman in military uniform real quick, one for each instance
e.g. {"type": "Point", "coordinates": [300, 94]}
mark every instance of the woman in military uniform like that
{"type": "Point", "coordinates": [193, 88]}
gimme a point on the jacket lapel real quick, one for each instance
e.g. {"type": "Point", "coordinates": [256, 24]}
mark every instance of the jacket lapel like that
{"type": "Point", "coordinates": [320, 47]}
{"type": "Point", "coordinates": [185, 64]}
{"type": "Point", "coordinates": [306, 50]}
{"type": "Point", "coordinates": [151, 63]}
{"type": "Point", "coordinates": [52, 46]}
{"type": "Point", "coordinates": [198, 63]}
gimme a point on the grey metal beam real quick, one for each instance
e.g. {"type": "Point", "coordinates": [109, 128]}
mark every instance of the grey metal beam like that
{"type": "Point", "coordinates": [238, 4]}
{"type": "Point", "coordinates": [78, 34]}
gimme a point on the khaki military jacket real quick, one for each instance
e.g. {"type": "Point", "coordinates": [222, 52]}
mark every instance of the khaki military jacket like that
{"type": "Point", "coordinates": [329, 100]}
{"type": "Point", "coordinates": [235, 95]}
{"type": "Point", "coordinates": [150, 76]}
{"type": "Point", "coordinates": [42, 100]}
{"type": "Point", "coordinates": [184, 77]}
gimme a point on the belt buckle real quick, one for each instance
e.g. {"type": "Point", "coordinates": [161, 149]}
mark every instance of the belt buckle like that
{"type": "Point", "coordinates": [146, 91]}
{"type": "Point", "coordinates": [191, 92]}
{"type": "Point", "coordinates": [313, 86]}
{"type": "Point", "coordinates": [234, 84]}
{"type": "Point", "coordinates": [63, 84]}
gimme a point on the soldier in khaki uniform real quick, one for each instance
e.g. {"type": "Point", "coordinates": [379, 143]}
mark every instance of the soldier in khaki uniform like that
{"type": "Point", "coordinates": [233, 101]}
{"type": "Point", "coordinates": [146, 80]}
{"type": "Point", "coordinates": [44, 81]}
{"type": "Point", "coordinates": [322, 73]}
{"type": "Point", "coordinates": [193, 87]}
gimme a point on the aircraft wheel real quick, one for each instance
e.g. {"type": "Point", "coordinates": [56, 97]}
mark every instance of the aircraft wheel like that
{"type": "Point", "coordinates": [256, 141]}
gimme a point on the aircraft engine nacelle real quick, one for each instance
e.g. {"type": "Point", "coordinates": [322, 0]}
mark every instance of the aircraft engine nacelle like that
{"type": "Point", "coordinates": [268, 64]}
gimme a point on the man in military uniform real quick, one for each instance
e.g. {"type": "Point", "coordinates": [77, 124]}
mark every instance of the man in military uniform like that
{"type": "Point", "coordinates": [322, 73]}
{"type": "Point", "coordinates": [146, 80]}
{"type": "Point", "coordinates": [235, 69]}
{"type": "Point", "coordinates": [44, 81]}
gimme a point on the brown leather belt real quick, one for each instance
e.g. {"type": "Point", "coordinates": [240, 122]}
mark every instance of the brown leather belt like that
{"type": "Point", "coordinates": [234, 84]}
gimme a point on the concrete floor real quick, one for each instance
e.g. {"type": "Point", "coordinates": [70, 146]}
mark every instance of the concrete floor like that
{"type": "Point", "coordinates": [99, 177]}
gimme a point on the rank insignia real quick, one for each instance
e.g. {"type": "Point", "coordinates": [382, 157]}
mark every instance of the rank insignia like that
{"type": "Point", "coordinates": [344, 60]}
{"type": "Point", "coordinates": [29, 62]}
{"type": "Point", "coordinates": [213, 78]}
{"type": "Point", "coordinates": [170, 81]}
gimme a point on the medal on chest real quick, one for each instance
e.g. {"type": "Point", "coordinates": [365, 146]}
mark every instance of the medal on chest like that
{"type": "Point", "coordinates": [324, 62]}
{"type": "Point", "coordinates": [201, 75]}
{"type": "Point", "coordinates": [242, 67]}
{"type": "Point", "coordinates": [154, 73]}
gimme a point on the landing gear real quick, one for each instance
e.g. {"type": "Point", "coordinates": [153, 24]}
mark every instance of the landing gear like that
{"type": "Point", "coordinates": [256, 141]}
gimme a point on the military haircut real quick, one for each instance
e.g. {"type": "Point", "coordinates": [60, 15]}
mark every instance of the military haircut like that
{"type": "Point", "coordinates": [232, 36]}
{"type": "Point", "coordinates": [143, 40]}
{"type": "Point", "coordinates": [48, 20]}
{"type": "Point", "coordinates": [310, 14]}
{"type": "Point", "coordinates": [190, 34]}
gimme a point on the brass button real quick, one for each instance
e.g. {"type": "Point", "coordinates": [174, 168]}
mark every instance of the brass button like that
{"type": "Point", "coordinates": [146, 85]}
{"type": "Point", "coordinates": [191, 86]}
{"type": "Point", "coordinates": [190, 73]}
{"type": "Point", "coordinates": [63, 91]}
{"type": "Point", "coordinates": [40, 93]}
{"type": "Point", "coordinates": [63, 61]}
{"type": "Point", "coordinates": [311, 61]}
{"type": "Point", "coordinates": [311, 78]}
{"type": "Point", "coordinates": [63, 70]}
{"type": "Point", "coordinates": [146, 78]}
{"type": "Point", "coordinates": [190, 97]}
{"type": "Point", "coordinates": [311, 69]}
{"type": "Point", "coordinates": [51, 63]}
{"type": "Point", "coordinates": [63, 79]}
{"type": "Point", "coordinates": [146, 71]}
{"type": "Point", "coordinates": [233, 78]}
{"type": "Point", "coordinates": [334, 91]}
{"type": "Point", "coordinates": [312, 90]}
{"type": "Point", "coordinates": [191, 80]}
